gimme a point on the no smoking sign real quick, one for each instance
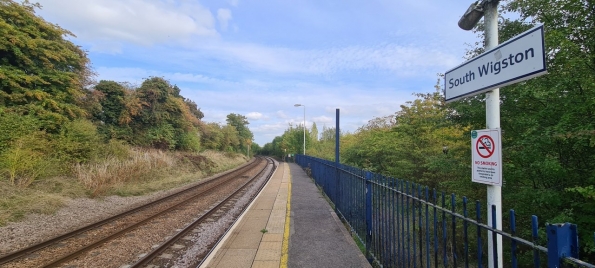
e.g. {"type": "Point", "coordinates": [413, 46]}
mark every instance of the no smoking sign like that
{"type": "Point", "coordinates": [486, 156]}
{"type": "Point", "coordinates": [485, 146]}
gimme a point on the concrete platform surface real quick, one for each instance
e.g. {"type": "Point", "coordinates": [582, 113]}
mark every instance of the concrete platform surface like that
{"type": "Point", "coordinates": [318, 238]}
{"type": "Point", "coordinates": [266, 235]}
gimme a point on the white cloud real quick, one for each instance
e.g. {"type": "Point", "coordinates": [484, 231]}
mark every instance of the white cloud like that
{"type": "Point", "coordinates": [323, 119]}
{"type": "Point", "coordinates": [143, 22]}
{"type": "Point", "coordinates": [277, 127]}
{"type": "Point", "coordinates": [224, 16]}
{"type": "Point", "coordinates": [254, 116]}
{"type": "Point", "coordinates": [134, 74]}
{"type": "Point", "coordinates": [401, 60]}
{"type": "Point", "coordinates": [281, 114]}
{"type": "Point", "coordinates": [234, 2]}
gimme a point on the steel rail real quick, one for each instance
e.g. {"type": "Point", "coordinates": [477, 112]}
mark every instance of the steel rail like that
{"type": "Point", "coordinates": [26, 251]}
{"type": "Point", "coordinates": [113, 236]}
{"type": "Point", "coordinates": [167, 244]}
{"type": "Point", "coordinates": [200, 262]}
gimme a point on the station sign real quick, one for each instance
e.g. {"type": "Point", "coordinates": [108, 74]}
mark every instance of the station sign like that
{"type": "Point", "coordinates": [486, 156]}
{"type": "Point", "coordinates": [518, 59]}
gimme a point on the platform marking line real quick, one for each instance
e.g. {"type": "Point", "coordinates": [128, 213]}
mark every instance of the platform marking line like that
{"type": "Point", "coordinates": [285, 249]}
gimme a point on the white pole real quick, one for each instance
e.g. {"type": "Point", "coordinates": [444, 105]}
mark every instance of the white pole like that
{"type": "Point", "coordinates": [304, 129]}
{"type": "Point", "coordinates": [493, 121]}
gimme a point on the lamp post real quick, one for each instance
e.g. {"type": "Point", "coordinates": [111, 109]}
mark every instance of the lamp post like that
{"type": "Point", "coordinates": [298, 105]}
{"type": "Point", "coordinates": [489, 10]}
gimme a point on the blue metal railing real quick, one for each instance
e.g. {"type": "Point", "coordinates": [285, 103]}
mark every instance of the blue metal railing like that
{"type": "Point", "coordinates": [403, 224]}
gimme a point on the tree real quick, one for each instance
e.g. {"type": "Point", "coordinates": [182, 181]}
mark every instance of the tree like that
{"type": "Point", "coordinates": [164, 119]}
{"type": "Point", "coordinates": [275, 148]}
{"type": "Point", "coordinates": [314, 133]}
{"type": "Point", "coordinates": [549, 121]}
{"type": "Point", "coordinates": [552, 118]}
{"type": "Point", "coordinates": [194, 108]}
{"type": "Point", "coordinates": [211, 136]}
{"type": "Point", "coordinates": [112, 102]}
{"type": "Point", "coordinates": [41, 73]}
{"type": "Point", "coordinates": [240, 123]}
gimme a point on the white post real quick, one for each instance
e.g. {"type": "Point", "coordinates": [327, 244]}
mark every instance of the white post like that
{"type": "Point", "coordinates": [493, 121]}
{"type": "Point", "coordinates": [304, 129]}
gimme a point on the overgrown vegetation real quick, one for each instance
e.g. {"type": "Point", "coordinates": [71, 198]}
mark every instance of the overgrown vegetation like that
{"type": "Point", "coordinates": [548, 126]}
{"type": "Point", "coordinates": [64, 135]}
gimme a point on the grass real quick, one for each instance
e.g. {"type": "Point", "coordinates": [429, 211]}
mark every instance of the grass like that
{"type": "Point", "coordinates": [44, 197]}
{"type": "Point", "coordinates": [141, 172]}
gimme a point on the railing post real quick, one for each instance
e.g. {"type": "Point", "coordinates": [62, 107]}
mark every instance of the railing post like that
{"type": "Point", "coordinates": [337, 156]}
{"type": "Point", "coordinates": [337, 187]}
{"type": "Point", "coordinates": [562, 242]}
{"type": "Point", "coordinates": [368, 215]}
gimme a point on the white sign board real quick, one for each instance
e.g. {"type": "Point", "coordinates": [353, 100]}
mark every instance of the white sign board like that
{"type": "Point", "coordinates": [486, 156]}
{"type": "Point", "coordinates": [518, 59]}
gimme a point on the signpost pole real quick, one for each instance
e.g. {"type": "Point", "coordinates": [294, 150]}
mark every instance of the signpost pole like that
{"type": "Point", "coordinates": [494, 192]}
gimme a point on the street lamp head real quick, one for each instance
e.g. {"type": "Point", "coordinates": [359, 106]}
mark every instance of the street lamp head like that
{"type": "Point", "coordinates": [471, 16]}
{"type": "Point", "coordinates": [297, 105]}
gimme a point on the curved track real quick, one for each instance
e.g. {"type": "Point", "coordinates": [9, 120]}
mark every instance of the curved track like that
{"type": "Point", "coordinates": [139, 229]}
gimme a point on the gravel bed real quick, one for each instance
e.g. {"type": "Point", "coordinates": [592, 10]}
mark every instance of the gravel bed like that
{"type": "Point", "coordinates": [204, 237]}
{"type": "Point", "coordinates": [126, 249]}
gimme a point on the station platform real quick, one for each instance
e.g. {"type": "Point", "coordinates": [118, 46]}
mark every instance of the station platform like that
{"type": "Point", "coordinates": [289, 224]}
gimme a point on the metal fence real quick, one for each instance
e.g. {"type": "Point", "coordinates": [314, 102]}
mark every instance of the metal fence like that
{"type": "Point", "coordinates": [403, 224]}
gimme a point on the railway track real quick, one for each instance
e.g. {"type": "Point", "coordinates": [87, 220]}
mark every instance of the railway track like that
{"type": "Point", "coordinates": [140, 235]}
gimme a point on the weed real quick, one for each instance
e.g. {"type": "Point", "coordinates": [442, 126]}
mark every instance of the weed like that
{"type": "Point", "coordinates": [121, 172]}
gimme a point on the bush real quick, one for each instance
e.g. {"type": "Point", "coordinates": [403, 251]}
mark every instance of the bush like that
{"type": "Point", "coordinates": [78, 142]}
{"type": "Point", "coordinates": [27, 160]}
{"type": "Point", "coordinates": [116, 149]}
{"type": "Point", "coordinates": [161, 137]}
{"type": "Point", "coordinates": [14, 126]}
{"type": "Point", "coordinates": [189, 141]}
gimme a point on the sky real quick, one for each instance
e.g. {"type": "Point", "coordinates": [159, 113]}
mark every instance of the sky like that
{"type": "Point", "coordinates": [260, 58]}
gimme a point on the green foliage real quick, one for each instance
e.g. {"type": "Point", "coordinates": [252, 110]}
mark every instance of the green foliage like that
{"type": "Point", "coordinates": [230, 141]}
{"type": "Point", "coordinates": [161, 137]}
{"type": "Point", "coordinates": [189, 141]}
{"type": "Point", "coordinates": [419, 143]}
{"type": "Point", "coordinates": [112, 100]}
{"type": "Point", "coordinates": [548, 122]}
{"type": "Point", "coordinates": [240, 123]}
{"type": "Point", "coordinates": [193, 108]}
{"type": "Point", "coordinates": [324, 147]}
{"type": "Point", "coordinates": [26, 160]}
{"type": "Point", "coordinates": [211, 136]}
{"type": "Point", "coordinates": [114, 149]}
{"type": "Point", "coordinates": [52, 120]}
{"type": "Point", "coordinates": [78, 142]}
{"type": "Point", "coordinates": [154, 115]}
{"type": "Point", "coordinates": [274, 148]}
{"type": "Point", "coordinates": [41, 73]}
{"type": "Point", "coordinates": [14, 126]}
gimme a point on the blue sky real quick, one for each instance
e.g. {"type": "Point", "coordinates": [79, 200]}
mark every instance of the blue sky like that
{"type": "Point", "coordinates": [259, 58]}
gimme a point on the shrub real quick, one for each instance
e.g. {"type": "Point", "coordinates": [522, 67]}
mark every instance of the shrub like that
{"type": "Point", "coordinates": [117, 149]}
{"type": "Point", "coordinates": [13, 126]}
{"type": "Point", "coordinates": [189, 141]}
{"type": "Point", "coordinates": [78, 142]}
{"type": "Point", "coordinates": [27, 160]}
